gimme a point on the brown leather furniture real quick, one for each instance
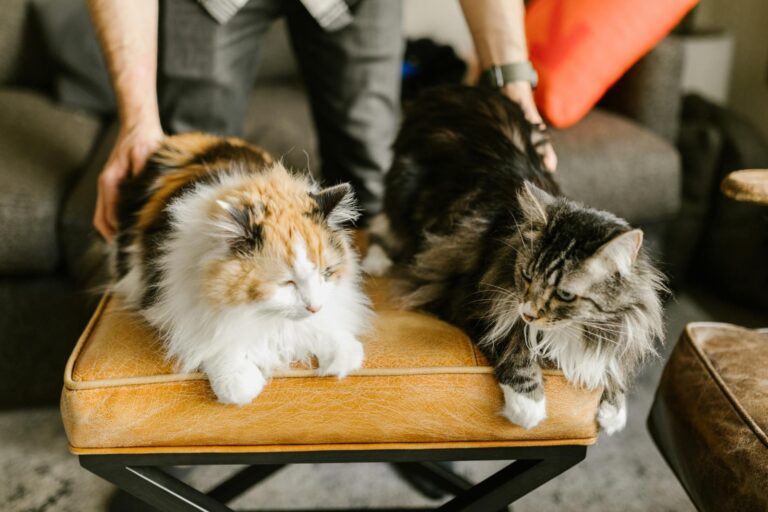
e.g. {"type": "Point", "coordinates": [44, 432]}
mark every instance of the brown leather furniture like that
{"type": "Point", "coordinates": [425, 393]}
{"type": "Point", "coordinates": [748, 185]}
{"type": "Point", "coordinates": [710, 416]}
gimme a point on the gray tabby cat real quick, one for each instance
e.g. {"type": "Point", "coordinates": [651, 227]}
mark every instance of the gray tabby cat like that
{"type": "Point", "coordinates": [480, 236]}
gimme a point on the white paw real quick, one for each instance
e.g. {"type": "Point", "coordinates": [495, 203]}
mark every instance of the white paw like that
{"type": "Point", "coordinates": [612, 419]}
{"type": "Point", "coordinates": [345, 358]}
{"type": "Point", "coordinates": [521, 410]}
{"type": "Point", "coordinates": [376, 262]}
{"type": "Point", "coordinates": [239, 385]}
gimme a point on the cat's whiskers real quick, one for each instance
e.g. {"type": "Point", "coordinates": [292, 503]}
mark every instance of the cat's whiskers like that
{"type": "Point", "coordinates": [520, 232]}
{"type": "Point", "coordinates": [518, 250]}
{"type": "Point", "coordinates": [601, 331]}
{"type": "Point", "coordinates": [608, 327]}
{"type": "Point", "coordinates": [496, 288]}
{"type": "Point", "coordinates": [615, 340]}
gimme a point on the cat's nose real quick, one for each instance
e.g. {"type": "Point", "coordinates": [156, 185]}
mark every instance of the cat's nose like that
{"type": "Point", "coordinates": [527, 313]}
{"type": "Point", "coordinates": [313, 309]}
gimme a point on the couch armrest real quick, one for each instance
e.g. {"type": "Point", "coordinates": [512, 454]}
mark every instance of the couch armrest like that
{"type": "Point", "coordinates": [82, 253]}
{"type": "Point", "coordinates": [43, 148]}
{"type": "Point", "coordinates": [650, 92]}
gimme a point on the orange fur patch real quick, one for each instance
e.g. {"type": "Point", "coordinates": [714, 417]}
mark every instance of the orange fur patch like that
{"type": "Point", "coordinates": [286, 218]}
{"type": "Point", "coordinates": [235, 281]}
{"type": "Point", "coordinates": [285, 215]}
{"type": "Point", "coordinates": [177, 153]}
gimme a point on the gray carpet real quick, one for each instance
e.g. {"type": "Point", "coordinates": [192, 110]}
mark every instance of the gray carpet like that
{"type": "Point", "coordinates": [623, 472]}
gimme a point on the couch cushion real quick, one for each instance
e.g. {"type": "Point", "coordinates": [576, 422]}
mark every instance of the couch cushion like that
{"type": "Point", "coordinates": [42, 148]}
{"type": "Point", "coordinates": [649, 92]}
{"type": "Point", "coordinates": [423, 383]}
{"type": "Point", "coordinates": [710, 416]}
{"type": "Point", "coordinates": [612, 163]}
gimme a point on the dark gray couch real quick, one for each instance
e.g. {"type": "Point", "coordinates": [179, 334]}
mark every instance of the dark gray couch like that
{"type": "Point", "coordinates": [620, 159]}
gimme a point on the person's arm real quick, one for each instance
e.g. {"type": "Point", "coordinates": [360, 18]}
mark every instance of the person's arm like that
{"type": "Point", "coordinates": [498, 31]}
{"type": "Point", "coordinates": [127, 31]}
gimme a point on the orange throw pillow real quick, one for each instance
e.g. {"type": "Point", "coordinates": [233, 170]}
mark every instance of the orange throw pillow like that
{"type": "Point", "coordinates": [581, 47]}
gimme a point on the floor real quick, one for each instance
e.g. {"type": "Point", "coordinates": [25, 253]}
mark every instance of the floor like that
{"type": "Point", "coordinates": [623, 472]}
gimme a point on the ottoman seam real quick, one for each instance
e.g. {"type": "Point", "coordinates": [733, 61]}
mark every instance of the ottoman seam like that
{"type": "Point", "coordinates": [715, 375]}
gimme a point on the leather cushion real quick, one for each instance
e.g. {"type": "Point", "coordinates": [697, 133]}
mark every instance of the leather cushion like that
{"type": "Point", "coordinates": [710, 416]}
{"type": "Point", "coordinates": [424, 383]}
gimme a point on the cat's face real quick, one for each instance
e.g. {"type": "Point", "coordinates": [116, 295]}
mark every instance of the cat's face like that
{"type": "Point", "coordinates": [301, 286]}
{"type": "Point", "coordinates": [284, 253]}
{"type": "Point", "coordinates": [573, 262]}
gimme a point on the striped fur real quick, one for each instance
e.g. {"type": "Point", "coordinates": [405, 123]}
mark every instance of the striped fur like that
{"type": "Point", "coordinates": [242, 265]}
{"type": "Point", "coordinates": [479, 234]}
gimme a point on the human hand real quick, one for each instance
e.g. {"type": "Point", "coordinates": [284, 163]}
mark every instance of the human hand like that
{"type": "Point", "coordinates": [134, 145]}
{"type": "Point", "coordinates": [522, 94]}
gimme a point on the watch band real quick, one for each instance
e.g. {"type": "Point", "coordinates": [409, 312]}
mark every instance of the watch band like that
{"type": "Point", "coordinates": [499, 75]}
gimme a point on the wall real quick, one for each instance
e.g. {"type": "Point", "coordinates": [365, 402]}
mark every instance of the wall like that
{"type": "Point", "coordinates": [441, 20]}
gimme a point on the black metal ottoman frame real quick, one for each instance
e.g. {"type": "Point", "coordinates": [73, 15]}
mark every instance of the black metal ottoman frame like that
{"type": "Point", "coordinates": [142, 474]}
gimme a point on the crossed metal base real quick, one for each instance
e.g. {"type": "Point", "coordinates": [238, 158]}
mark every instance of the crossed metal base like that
{"type": "Point", "coordinates": [142, 475]}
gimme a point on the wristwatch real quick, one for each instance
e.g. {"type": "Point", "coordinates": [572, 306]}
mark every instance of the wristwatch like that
{"type": "Point", "coordinates": [498, 76]}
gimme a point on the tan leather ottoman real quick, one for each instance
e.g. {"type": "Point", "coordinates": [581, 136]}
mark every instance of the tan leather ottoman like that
{"type": "Point", "coordinates": [710, 416]}
{"type": "Point", "coordinates": [424, 394]}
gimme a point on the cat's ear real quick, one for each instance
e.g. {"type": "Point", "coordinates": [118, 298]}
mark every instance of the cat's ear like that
{"type": "Point", "coordinates": [336, 205]}
{"type": "Point", "coordinates": [534, 202]}
{"type": "Point", "coordinates": [243, 223]}
{"type": "Point", "coordinates": [620, 253]}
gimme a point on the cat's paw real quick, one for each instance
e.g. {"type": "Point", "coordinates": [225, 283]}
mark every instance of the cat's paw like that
{"type": "Point", "coordinates": [376, 262]}
{"type": "Point", "coordinates": [346, 357]}
{"type": "Point", "coordinates": [612, 419]}
{"type": "Point", "coordinates": [521, 410]}
{"type": "Point", "coordinates": [238, 385]}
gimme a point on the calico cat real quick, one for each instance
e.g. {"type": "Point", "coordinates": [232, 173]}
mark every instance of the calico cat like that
{"type": "Point", "coordinates": [480, 235]}
{"type": "Point", "coordinates": [242, 265]}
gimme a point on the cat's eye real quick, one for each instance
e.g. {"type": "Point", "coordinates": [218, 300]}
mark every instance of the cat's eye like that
{"type": "Point", "coordinates": [288, 283]}
{"type": "Point", "coordinates": [328, 272]}
{"type": "Point", "coordinates": [565, 296]}
{"type": "Point", "coordinates": [526, 275]}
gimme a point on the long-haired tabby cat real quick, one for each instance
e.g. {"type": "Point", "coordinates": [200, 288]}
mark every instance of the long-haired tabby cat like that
{"type": "Point", "coordinates": [480, 235]}
{"type": "Point", "coordinates": [242, 265]}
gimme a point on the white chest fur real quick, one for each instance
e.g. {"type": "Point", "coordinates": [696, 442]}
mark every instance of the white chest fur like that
{"type": "Point", "coordinates": [586, 365]}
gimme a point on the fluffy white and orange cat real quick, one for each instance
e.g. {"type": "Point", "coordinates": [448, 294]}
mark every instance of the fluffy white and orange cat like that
{"type": "Point", "coordinates": [241, 264]}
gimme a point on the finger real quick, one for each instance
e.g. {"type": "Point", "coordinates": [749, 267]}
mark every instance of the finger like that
{"type": "Point", "coordinates": [99, 220]}
{"type": "Point", "coordinates": [549, 157]}
{"type": "Point", "coordinates": [108, 182]}
{"type": "Point", "coordinates": [97, 215]}
{"type": "Point", "coordinates": [110, 203]}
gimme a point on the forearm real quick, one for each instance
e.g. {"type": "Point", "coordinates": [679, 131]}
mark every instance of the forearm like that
{"type": "Point", "coordinates": [127, 31]}
{"type": "Point", "coordinates": [498, 30]}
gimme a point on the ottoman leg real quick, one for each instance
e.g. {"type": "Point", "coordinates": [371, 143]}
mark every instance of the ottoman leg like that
{"type": "Point", "coordinates": [511, 483]}
{"type": "Point", "coordinates": [243, 480]}
{"type": "Point", "coordinates": [141, 474]}
{"type": "Point", "coordinates": [155, 486]}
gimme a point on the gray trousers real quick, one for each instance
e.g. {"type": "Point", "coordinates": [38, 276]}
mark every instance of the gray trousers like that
{"type": "Point", "coordinates": [206, 72]}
